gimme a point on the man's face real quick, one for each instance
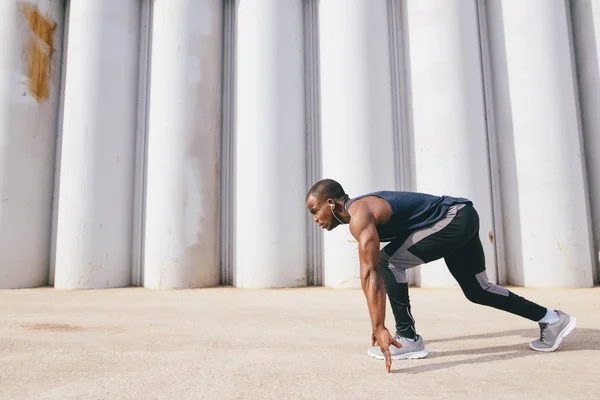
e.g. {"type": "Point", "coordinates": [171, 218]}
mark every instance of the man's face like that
{"type": "Point", "coordinates": [321, 212]}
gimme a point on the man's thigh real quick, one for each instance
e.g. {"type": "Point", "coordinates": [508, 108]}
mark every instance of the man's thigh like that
{"type": "Point", "coordinates": [432, 243]}
{"type": "Point", "coordinates": [446, 237]}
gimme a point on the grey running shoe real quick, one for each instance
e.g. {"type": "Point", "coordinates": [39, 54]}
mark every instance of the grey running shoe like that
{"type": "Point", "coordinates": [552, 334]}
{"type": "Point", "coordinates": [409, 350]}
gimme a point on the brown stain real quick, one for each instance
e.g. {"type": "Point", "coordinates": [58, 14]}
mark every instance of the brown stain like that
{"type": "Point", "coordinates": [40, 49]}
{"type": "Point", "coordinates": [491, 237]}
{"type": "Point", "coordinates": [348, 280]}
{"type": "Point", "coordinates": [55, 327]}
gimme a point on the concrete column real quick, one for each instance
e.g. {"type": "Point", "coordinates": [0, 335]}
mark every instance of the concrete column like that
{"type": "Point", "coordinates": [270, 185]}
{"type": "Point", "coordinates": [30, 58]}
{"type": "Point", "coordinates": [97, 153]}
{"type": "Point", "coordinates": [356, 114]}
{"type": "Point", "coordinates": [447, 114]}
{"type": "Point", "coordinates": [182, 204]}
{"type": "Point", "coordinates": [586, 30]}
{"type": "Point", "coordinates": [542, 166]}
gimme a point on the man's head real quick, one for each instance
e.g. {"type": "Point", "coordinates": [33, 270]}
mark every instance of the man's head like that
{"type": "Point", "coordinates": [325, 201]}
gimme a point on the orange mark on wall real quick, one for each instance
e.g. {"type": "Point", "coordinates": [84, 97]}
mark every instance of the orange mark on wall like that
{"type": "Point", "coordinates": [40, 49]}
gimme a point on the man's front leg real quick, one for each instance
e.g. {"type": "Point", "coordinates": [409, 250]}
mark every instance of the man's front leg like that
{"type": "Point", "coordinates": [412, 344]}
{"type": "Point", "coordinates": [400, 302]}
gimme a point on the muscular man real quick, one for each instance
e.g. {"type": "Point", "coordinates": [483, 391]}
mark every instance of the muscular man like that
{"type": "Point", "coordinates": [420, 228]}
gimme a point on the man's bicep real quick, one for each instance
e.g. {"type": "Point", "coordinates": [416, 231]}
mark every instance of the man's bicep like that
{"type": "Point", "coordinates": [365, 232]}
{"type": "Point", "coordinates": [368, 244]}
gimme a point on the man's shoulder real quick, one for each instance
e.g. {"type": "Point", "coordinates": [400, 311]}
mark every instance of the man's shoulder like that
{"type": "Point", "coordinates": [364, 200]}
{"type": "Point", "coordinates": [360, 208]}
{"type": "Point", "coordinates": [362, 219]}
{"type": "Point", "coordinates": [371, 209]}
{"type": "Point", "coordinates": [383, 194]}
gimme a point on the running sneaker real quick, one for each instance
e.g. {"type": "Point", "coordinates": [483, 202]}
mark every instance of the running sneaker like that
{"type": "Point", "coordinates": [552, 334]}
{"type": "Point", "coordinates": [410, 350]}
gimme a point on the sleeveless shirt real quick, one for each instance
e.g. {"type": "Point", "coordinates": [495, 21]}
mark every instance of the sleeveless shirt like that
{"type": "Point", "coordinates": [411, 211]}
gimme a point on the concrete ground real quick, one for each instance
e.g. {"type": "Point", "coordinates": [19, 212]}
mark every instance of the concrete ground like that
{"type": "Point", "coordinates": [227, 343]}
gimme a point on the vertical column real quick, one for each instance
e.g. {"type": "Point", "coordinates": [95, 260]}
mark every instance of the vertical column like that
{"type": "Point", "coordinates": [30, 57]}
{"type": "Point", "coordinates": [447, 112]}
{"type": "Point", "coordinates": [227, 201]}
{"type": "Point", "coordinates": [403, 158]}
{"type": "Point", "coordinates": [313, 129]}
{"type": "Point", "coordinates": [356, 114]}
{"type": "Point", "coordinates": [542, 166]}
{"type": "Point", "coordinates": [586, 30]}
{"type": "Point", "coordinates": [141, 145]}
{"type": "Point", "coordinates": [97, 153]}
{"type": "Point", "coordinates": [184, 128]}
{"type": "Point", "coordinates": [270, 211]}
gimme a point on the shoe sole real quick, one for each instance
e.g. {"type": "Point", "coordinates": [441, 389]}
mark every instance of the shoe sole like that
{"type": "Point", "coordinates": [407, 356]}
{"type": "Point", "coordinates": [564, 333]}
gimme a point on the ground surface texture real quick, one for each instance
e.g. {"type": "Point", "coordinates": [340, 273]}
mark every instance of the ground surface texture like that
{"type": "Point", "coordinates": [227, 343]}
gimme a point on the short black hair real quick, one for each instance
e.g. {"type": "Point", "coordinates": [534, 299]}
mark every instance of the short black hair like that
{"type": "Point", "coordinates": [327, 189]}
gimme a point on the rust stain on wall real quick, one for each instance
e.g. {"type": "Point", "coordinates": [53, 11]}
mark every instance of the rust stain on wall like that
{"type": "Point", "coordinates": [40, 49]}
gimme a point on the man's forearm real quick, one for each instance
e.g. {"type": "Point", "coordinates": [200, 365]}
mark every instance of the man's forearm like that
{"type": "Point", "coordinates": [373, 287]}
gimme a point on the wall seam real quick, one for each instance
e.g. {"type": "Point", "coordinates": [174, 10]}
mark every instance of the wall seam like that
{"type": "Point", "coordinates": [578, 99]}
{"type": "Point", "coordinates": [313, 133]}
{"type": "Point", "coordinates": [141, 154]}
{"type": "Point", "coordinates": [492, 144]}
{"type": "Point", "coordinates": [59, 139]}
{"type": "Point", "coordinates": [398, 96]}
{"type": "Point", "coordinates": [227, 210]}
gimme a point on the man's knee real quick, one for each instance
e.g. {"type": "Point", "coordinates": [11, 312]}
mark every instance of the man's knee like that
{"type": "Point", "coordinates": [384, 268]}
{"type": "Point", "coordinates": [400, 274]}
{"type": "Point", "coordinates": [484, 290]}
{"type": "Point", "coordinates": [475, 295]}
{"type": "Point", "coordinates": [384, 259]}
{"type": "Point", "coordinates": [488, 286]}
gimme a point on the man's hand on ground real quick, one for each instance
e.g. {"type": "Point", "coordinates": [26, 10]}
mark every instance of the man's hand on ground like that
{"type": "Point", "coordinates": [384, 339]}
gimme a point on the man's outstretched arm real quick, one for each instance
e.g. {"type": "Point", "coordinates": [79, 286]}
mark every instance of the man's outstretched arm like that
{"type": "Point", "coordinates": [362, 227]}
{"type": "Point", "coordinates": [370, 276]}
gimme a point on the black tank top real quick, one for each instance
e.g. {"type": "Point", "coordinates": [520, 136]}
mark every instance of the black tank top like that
{"type": "Point", "coordinates": [411, 211]}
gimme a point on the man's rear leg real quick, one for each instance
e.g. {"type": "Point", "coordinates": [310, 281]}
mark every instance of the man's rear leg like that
{"type": "Point", "coordinates": [467, 265]}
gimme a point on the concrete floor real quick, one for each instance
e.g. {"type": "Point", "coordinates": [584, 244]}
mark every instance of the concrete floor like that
{"type": "Point", "coordinates": [227, 343]}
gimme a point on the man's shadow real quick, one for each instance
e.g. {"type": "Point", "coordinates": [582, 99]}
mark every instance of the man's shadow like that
{"type": "Point", "coordinates": [579, 339]}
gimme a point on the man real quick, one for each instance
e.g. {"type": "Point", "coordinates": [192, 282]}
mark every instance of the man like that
{"type": "Point", "coordinates": [420, 228]}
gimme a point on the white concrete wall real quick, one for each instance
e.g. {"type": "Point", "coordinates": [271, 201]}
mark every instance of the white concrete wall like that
{"type": "Point", "coordinates": [97, 150]}
{"type": "Point", "coordinates": [356, 114]}
{"type": "Point", "coordinates": [181, 248]}
{"type": "Point", "coordinates": [30, 60]}
{"type": "Point", "coordinates": [269, 156]}
{"type": "Point", "coordinates": [538, 128]}
{"type": "Point", "coordinates": [447, 114]}
{"type": "Point", "coordinates": [543, 106]}
{"type": "Point", "coordinates": [586, 30]}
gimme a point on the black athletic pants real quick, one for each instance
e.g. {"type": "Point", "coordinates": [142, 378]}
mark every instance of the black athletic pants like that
{"type": "Point", "coordinates": [456, 239]}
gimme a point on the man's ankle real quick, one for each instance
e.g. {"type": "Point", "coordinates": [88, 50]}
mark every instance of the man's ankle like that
{"type": "Point", "coordinates": [408, 336]}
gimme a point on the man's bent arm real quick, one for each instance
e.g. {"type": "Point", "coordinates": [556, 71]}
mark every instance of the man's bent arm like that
{"type": "Point", "coordinates": [370, 275]}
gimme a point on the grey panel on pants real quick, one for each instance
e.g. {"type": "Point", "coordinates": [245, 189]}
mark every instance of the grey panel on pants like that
{"type": "Point", "coordinates": [403, 259]}
{"type": "Point", "coordinates": [402, 262]}
{"type": "Point", "coordinates": [488, 286]}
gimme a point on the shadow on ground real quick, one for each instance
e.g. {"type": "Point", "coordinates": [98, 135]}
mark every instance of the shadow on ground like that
{"type": "Point", "coordinates": [579, 340]}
